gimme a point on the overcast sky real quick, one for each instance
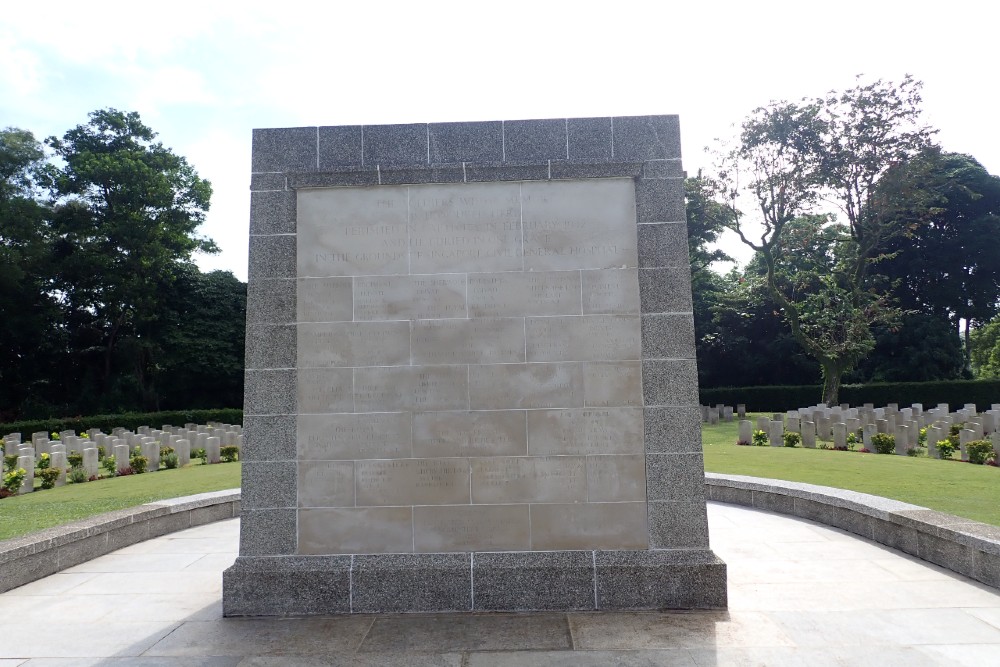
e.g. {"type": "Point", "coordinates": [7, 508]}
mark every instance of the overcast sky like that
{"type": "Point", "coordinates": [203, 74]}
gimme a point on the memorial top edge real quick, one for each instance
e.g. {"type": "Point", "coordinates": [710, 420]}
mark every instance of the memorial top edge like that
{"type": "Point", "coordinates": [634, 139]}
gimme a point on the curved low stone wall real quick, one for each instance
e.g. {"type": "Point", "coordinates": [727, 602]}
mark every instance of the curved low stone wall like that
{"type": "Point", "coordinates": [961, 545]}
{"type": "Point", "coordinates": [27, 558]}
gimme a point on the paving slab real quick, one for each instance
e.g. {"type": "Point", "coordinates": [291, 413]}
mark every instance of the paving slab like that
{"type": "Point", "coordinates": [800, 593]}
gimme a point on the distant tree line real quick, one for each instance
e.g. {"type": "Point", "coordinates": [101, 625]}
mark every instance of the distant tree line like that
{"type": "Point", "coordinates": [876, 253]}
{"type": "Point", "coordinates": [101, 306]}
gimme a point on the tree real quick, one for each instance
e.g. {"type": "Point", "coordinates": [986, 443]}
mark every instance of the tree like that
{"type": "Point", "coordinates": [30, 322]}
{"type": "Point", "coordinates": [985, 347]}
{"type": "Point", "coordinates": [948, 266]}
{"type": "Point", "coordinates": [790, 159]}
{"type": "Point", "coordinates": [125, 224]}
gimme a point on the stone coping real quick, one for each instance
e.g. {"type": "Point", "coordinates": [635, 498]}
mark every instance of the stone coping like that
{"type": "Point", "coordinates": [961, 545]}
{"type": "Point", "coordinates": [29, 557]}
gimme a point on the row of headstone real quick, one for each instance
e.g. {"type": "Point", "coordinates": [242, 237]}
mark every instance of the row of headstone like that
{"type": "Point", "coordinates": [835, 424]}
{"type": "Point", "coordinates": [120, 443]}
{"type": "Point", "coordinates": [713, 414]}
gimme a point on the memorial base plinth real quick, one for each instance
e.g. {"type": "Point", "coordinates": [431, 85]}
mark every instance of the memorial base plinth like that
{"type": "Point", "coordinates": [500, 581]}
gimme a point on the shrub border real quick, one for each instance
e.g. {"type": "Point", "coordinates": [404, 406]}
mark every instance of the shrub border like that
{"type": "Point", "coordinates": [29, 557]}
{"type": "Point", "coordinates": [961, 545]}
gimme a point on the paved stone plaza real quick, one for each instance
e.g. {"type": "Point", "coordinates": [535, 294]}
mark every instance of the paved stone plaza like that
{"type": "Point", "coordinates": [799, 594]}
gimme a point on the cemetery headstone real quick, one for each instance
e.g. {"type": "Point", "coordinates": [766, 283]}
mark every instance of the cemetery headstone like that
{"type": "Point", "coordinates": [448, 330]}
{"type": "Point", "coordinates": [746, 431]}
{"type": "Point", "coordinates": [776, 433]}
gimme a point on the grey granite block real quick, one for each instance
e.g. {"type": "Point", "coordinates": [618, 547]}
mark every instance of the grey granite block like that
{"type": "Point", "coordinates": [670, 382]}
{"type": "Point", "coordinates": [533, 581]}
{"type": "Point", "coordinates": [663, 244]}
{"type": "Point", "coordinates": [269, 392]}
{"type": "Point", "coordinates": [212, 513]}
{"type": "Point", "coordinates": [589, 139]}
{"type": "Point", "coordinates": [665, 290]}
{"type": "Point", "coordinates": [270, 346]}
{"type": "Point", "coordinates": [269, 484]}
{"type": "Point", "coordinates": [335, 177]}
{"type": "Point", "coordinates": [564, 170]}
{"type": "Point", "coordinates": [675, 477]}
{"type": "Point", "coordinates": [395, 145]}
{"type": "Point", "coordinates": [940, 551]}
{"type": "Point", "coordinates": [439, 174]}
{"type": "Point", "coordinates": [774, 502]}
{"type": "Point", "coordinates": [271, 301]}
{"type": "Point", "coordinates": [81, 550]}
{"type": "Point", "coordinates": [465, 142]}
{"type": "Point", "coordinates": [272, 212]}
{"type": "Point", "coordinates": [678, 525]}
{"type": "Point", "coordinates": [411, 582]}
{"type": "Point", "coordinates": [903, 538]}
{"type": "Point", "coordinates": [287, 586]}
{"type": "Point", "coordinates": [127, 535]}
{"type": "Point", "coordinates": [476, 173]}
{"type": "Point", "coordinates": [171, 523]}
{"type": "Point", "coordinates": [675, 579]}
{"type": "Point", "coordinates": [987, 568]}
{"type": "Point", "coordinates": [646, 138]}
{"type": "Point", "coordinates": [833, 515]}
{"type": "Point", "coordinates": [284, 149]}
{"type": "Point", "coordinates": [269, 438]}
{"type": "Point", "coordinates": [268, 532]}
{"type": "Point", "coordinates": [663, 169]}
{"type": "Point", "coordinates": [668, 336]}
{"type": "Point", "coordinates": [672, 429]}
{"type": "Point", "coordinates": [660, 200]}
{"type": "Point", "coordinates": [271, 257]}
{"type": "Point", "coordinates": [267, 181]}
{"type": "Point", "coordinates": [27, 569]}
{"type": "Point", "coordinates": [729, 494]}
{"type": "Point", "coordinates": [340, 146]}
{"type": "Point", "coordinates": [535, 140]}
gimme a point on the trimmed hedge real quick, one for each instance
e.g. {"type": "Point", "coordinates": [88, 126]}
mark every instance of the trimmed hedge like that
{"type": "Point", "coordinates": [128, 420]}
{"type": "Point", "coordinates": [955, 393]}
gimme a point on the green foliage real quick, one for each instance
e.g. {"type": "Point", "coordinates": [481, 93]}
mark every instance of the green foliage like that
{"type": "Point", "coordinates": [984, 346]}
{"type": "Point", "coordinates": [44, 461]}
{"type": "Point", "coordinates": [170, 461]}
{"type": "Point", "coordinates": [128, 420]}
{"type": "Point", "coordinates": [49, 476]}
{"type": "Point", "coordinates": [980, 451]}
{"type": "Point", "coordinates": [138, 464]}
{"type": "Point", "coordinates": [12, 480]}
{"type": "Point", "coordinates": [109, 465]}
{"type": "Point", "coordinates": [946, 448]}
{"type": "Point", "coordinates": [9, 461]}
{"type": "Point", "coordinates": [792, 439]}
{"type": "Point", "coordinates": [74, 459]}
{"type": "Point", "coordinates": [199, 453]}
{"type": "Point", "coordinates": [760, 439]}
{"type": "Point", "coordinates": [883, 443]}
{"type": "Point", "coordinates": [229, 453]}
{"type": "Point", "coordinates": [77, 475]}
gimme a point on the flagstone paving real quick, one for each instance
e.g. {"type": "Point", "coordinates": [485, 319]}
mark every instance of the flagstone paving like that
{"type": "Point", "coordinates": [800, 593]}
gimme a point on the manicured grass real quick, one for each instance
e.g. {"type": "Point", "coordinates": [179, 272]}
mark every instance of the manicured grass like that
{"type": "Point", "coordinates": [966, 490]}
{"type": "Point", "coordinates": [32, 512]}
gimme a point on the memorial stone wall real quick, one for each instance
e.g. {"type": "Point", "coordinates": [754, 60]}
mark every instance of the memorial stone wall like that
{"type": "Point", "coordinates": [470, 372]}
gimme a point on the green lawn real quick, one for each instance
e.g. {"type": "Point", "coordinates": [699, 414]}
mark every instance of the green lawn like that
{"type": "Point", "coordinates": [53, 507]}
{"type": "Point", "coordinates": [962, 489]}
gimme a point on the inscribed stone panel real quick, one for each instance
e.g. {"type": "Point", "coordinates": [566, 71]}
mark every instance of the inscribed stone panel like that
{"type": "Point", "coordinates": [411, 388]}
{"type": "Point", "coordinates": [474, 227]}
{"type": "Point", "coordinates": [579, 225]}
{"type": "Point", "coordinates": [520, 294]}
{"type": "Point", "coordinates": [352, 231]}
{"type": "Point", "coordinates": [533, 479]}
{"type": "Point", "coordinates": [409, 297]}
{"type": "Point", "coordinates": [471, 528]}
{"type": "Point", "coordinates": [412, 482]}
{"type": "Point", "coordinates": [589, 526]}
{"type": "Point", "coordinates": [585, 431]}
{"type": "Point", "coordinates": [324, 300]}
{"type": "Point", "coordinates": [479, 341]}
{"type": "Point", "coordinates": [378, 435]}
{"type": "Point", "coordinates": [526, 386]}
{"type": "Point", "coordinates": [332, 344]}
{"type": "Point", "coordinates": [583, 338]}
{"type": "Point", "coordinates": [362, 530]}
{"type": "Point", "coordinates": [477, 433]}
